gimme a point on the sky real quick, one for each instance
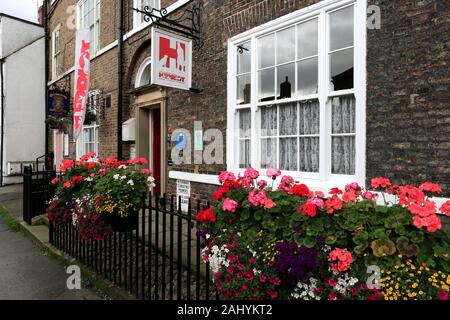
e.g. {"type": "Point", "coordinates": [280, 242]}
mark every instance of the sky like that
{"type": "Point", "coordinates": [24, 9]}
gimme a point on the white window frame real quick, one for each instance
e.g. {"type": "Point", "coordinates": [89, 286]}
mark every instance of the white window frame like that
{"type": "Point", "coordinates": [56, 64]}
{"type": "Point", "coordinates": [324, 178]}
{"type": "Point", "coordinates": [95, 43]}
{"type": "Point", "coordinates": [137, 16]}
{"type": "Point", "coordinates": [81, 144]}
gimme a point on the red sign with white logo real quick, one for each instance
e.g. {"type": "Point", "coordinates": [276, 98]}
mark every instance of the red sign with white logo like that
{"type": "Point", "coordinates": [171, 60]}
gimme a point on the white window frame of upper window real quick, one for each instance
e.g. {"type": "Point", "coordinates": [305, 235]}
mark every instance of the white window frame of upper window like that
{"type": "Point", "coordinates": [81, 144]}
{"type": "Point", "coordinates": [56, 66]}
{"type": "Point", "coordinates": [137, 16]}
{"type": "Point", "coordinates": [95, 44]}
{"type": "Point", "coordinates": [320, 10]}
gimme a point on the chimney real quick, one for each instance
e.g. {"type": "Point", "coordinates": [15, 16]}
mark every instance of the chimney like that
{"type": "Point", "coordinates": [41, 15]}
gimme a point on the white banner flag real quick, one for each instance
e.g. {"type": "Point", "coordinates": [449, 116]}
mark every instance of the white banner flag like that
{"type": "Point", "coordinates": [82, 73]}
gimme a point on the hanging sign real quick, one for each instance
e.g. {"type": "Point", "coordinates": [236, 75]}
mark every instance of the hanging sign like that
{"type": "Point", "coordinates": [171, 60]}
{"type": "Point", "coordinates": [58, 103]}
{"type": "Point", "coordinates": [82, 73]}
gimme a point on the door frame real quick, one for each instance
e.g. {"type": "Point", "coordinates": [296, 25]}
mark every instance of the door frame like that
{"type": "Point", "coordinates": [145, 102]}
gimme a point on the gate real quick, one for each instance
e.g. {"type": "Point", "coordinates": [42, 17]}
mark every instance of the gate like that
{"type": "Point", "coordinates": [37, 191]}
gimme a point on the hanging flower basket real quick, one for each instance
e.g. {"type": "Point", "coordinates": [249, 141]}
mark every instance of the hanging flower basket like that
{"type": "Point", "coordinates": [100, 196]}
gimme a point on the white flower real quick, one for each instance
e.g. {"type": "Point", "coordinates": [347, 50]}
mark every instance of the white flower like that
{"type": "Point", "coordinates": [122, 166]}
{"type": "Point", "coordinates": [116, 176]}
{"type": "Point", "coordinates": [89, 179]}
{"type": "Point", "coordinates": [123, 177]}
{"type": "Point", "coordinates": [151, 182]}
{"type": "Point", "coordinates": [130, 182]}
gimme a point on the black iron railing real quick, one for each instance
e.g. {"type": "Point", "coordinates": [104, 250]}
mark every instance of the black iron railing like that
{"type": "Point", "coordinates": [159, 260]}
{"type": "Point", "coordinates": [37, 191]}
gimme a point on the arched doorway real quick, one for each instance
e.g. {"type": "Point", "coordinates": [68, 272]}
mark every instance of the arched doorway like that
{"type": "Point", "coordinates": [150, 113]}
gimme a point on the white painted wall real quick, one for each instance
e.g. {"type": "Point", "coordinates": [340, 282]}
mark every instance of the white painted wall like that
{"type": "Point", "coordinates": [23, 49]}
{"type": "Point", "coordinates": [16, 34]}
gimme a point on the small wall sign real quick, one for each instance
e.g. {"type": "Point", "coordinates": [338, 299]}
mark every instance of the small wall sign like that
{"type": "Point", "coordinates": [183, 191]}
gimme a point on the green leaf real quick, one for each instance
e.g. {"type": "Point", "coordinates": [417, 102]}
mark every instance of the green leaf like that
{"type": "Point", "coordinates": [309, 242]}
{"type": "Point", "coordinates": [381, 209]}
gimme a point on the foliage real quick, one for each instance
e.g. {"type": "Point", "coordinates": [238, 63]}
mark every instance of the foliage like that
{"type": "Point", "coordinates": [290, 227]}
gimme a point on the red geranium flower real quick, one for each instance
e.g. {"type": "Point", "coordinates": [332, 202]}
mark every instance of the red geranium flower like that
{"type": "Point", "coordinates": [445, 208]}
{"type": "Point", "coordinates": [380, 182]}
{"type": "Point", "coordinates": [206, 216]}
{"type": "Point", "coordinates": [300, 190]}
{"type": "Point", "coordinates": [332, 204]}
{"type": "Point", "coordinates": [308, 209]}
{"type": "Point", "coordinates": [430, 187]}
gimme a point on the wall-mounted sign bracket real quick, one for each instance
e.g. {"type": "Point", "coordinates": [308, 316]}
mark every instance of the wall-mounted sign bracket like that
{"type": "Point", "coordinates": [188, 23]}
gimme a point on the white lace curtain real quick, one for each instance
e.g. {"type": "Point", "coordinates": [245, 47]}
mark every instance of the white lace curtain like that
{"type": "Point", "coordinates": [290, 136]}
{"type": "Point", "coordinates": [297, 136]}
{"type": "Point", "coordinates": [343, 135]}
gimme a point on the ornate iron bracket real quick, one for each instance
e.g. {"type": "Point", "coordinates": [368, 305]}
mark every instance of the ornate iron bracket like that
{"type": "Point", "coordinates": [160, 19]}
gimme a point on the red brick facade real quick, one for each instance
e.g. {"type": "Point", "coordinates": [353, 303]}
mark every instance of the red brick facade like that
{"type": "Point", "coordinates": [408, 88]}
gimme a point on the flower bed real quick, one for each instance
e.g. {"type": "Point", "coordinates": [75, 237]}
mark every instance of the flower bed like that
{"type": "Point", "coordinates": [89, 193]}
{"type": "Point", "coordinates": [294, 243]}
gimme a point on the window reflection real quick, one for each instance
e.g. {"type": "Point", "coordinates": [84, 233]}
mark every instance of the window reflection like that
{"type": "Point", "coordinates": [342, 71]}
{"type": "Point", "coordinates": [341, 28]}
{"type": "Point", "coordinates": [307, 38]}
{"type": "Point", "coordinates": [308, 77]}
{"type": "Point", "coordinates": [285, 80]}
{"type": "Point", "coordinates": [267, 85]}
{"type": "Point", "coordinates": [243, 93]}
{"type": "Point", "coordinates": [286, 45]}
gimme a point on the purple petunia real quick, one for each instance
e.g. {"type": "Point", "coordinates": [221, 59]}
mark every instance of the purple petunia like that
{"type": "Point", "coordinates": [295, 262]}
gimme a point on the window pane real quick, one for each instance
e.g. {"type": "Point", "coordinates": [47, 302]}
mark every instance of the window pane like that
{"type": "Point", "coordinates": [243, 58]}
{"type": "Point", "coordinates": [343, 114]}
{"type": "Point", "coordinates": [341, 28]}
{"type": "Point", "coordinates": [244, 153]}
{"type": "Point", "coordinates": [308, 77]}
{"type": "Point", "coordinates": [243, 89]}
{"type": "Point", "coordinates": [286, 45]}
{"type": "Point", "coordinates": [244, 123]}
{"type": "Point", "coordinates": [269, 121]}
{"type": "Point", "coordinates": [288, 119]}
{"type": "Point", "coordinates": [267, 84]}
{"type": "Point", "coordinates": [268, 153]}
{"type": "Point", "coordinates": [343, 155]}
{"type": "Point", "coordinates": [285, 81]}
{"type": "Point", "coordinates": [341, 65]}
{"type": "Point", "coordinates": [309, 154]}
{"type": "Point", "coordinates": [307, 35]}
{"type": "Point", "coordinates": [309, 118]}
{"type": "Point", "coordinates": [266, 51]}
{"type": "Point", "coordinates": [288, 154]}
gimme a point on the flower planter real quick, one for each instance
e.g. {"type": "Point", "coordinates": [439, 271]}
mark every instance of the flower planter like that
{"type": "Point", "coordinates": [128, 223]}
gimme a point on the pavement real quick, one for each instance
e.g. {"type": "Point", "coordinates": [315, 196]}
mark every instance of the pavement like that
{"type": "Point", "coordinates": [11, 198]}
{"type": "Point", "coordinates": [25, 272]}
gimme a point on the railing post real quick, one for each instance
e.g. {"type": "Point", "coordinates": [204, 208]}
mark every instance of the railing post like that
{"type": "Point", "coordinates": [27, 179]}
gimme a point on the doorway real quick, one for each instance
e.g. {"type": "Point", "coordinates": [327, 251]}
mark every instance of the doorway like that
{"type": "Point", "coordinates": [155, 146]}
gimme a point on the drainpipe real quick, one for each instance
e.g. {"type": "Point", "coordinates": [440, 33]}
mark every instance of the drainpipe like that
{"type": "Point", "coordinates": [2, 97]}
{"type": "Point", "coordinates": [120, 9]}
{"type": "Point", "coordinates": [46, 66]}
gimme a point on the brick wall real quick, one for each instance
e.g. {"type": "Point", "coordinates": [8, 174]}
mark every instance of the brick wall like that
{"type": "Point", "coordinates": [408, 87]}
{"type": "Point", "coordinates": [408, 93]}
